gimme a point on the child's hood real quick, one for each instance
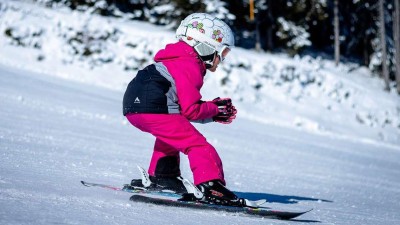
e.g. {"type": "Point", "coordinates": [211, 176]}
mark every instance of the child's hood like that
{"type": "Point", "coordinates": [174, 51]}
{"type": "Point", "coordinates": [179, 51]}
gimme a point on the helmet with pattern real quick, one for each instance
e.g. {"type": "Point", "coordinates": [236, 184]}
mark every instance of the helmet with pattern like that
{"type": "Point", "coordinates": [208, 35]}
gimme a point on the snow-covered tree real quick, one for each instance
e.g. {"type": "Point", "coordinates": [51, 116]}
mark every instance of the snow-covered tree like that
{"type": "Point", "coordinates": [296, 37]}
{"type": "Point", "coordinates": [396, 39]}
{"type": "Point", "coordinates": [382, 32]}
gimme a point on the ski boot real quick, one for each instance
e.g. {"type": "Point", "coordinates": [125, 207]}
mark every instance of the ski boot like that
{"type": "Point", "coordinates": [214, 192]}
{"type": "Point", "coordinates": [158, 183]}
{"type": "Point", "coordinates": [164, 184]}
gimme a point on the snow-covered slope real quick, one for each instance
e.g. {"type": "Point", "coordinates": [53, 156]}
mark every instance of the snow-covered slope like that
{"type": "Point", "coordinates": [308, 135]}
{"type": "Point", "coordinates": [55, 132]}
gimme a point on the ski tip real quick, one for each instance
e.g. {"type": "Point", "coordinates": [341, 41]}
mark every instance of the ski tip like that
{"type": "Point", "coordinates": [309, 210]}
{"type": "Point", "coordinates": [84, 183]}
{"type": "Point", "coordinates": [291, 215]}
{"type": "Point", "coordinates": [305, 211]}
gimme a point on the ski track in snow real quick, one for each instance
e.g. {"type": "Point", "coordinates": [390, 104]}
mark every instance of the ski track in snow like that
{"type": "Point", "coordinates": [56, 132]}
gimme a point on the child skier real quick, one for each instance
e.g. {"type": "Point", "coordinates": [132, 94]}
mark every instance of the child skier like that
{"type": "Point", "coordinates": [165, 97]}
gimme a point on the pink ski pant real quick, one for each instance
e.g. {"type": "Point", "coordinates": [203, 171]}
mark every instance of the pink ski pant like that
{"type": "Point", "coordinates": [174, 134]}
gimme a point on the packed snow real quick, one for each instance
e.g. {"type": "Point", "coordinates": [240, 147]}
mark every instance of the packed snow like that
{"type": "Point", "coordinates": [308, 134]}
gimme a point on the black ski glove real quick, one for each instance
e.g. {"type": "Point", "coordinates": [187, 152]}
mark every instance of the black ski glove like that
{"type": "Point", "coordinates": [227, 112]}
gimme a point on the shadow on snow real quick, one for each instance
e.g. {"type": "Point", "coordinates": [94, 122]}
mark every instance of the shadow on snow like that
{"type": "Point", "coordinates": [272, 198]}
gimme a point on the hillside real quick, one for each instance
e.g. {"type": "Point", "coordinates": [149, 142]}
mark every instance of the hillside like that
{"type": "Point", "coordinates": [107, 52]}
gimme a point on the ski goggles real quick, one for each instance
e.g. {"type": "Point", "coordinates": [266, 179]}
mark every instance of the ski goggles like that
{"type": "Point", "coordinates": [223, 52]}
{"type": "Point", "coordinates": [208, 53]}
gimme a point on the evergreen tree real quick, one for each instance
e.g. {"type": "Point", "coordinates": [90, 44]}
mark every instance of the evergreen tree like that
{"type": "Point", "coordinates": [279, 25]}
{"type": "Point", "coordinates": [396, 39]}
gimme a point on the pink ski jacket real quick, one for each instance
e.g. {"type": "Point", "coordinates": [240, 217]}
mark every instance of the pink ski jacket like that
{"type": "Point", "coordinates": [179, 67]}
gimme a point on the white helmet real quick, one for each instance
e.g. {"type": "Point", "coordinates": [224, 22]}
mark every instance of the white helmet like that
{"type": "Point", "coordinates": [207, 34]}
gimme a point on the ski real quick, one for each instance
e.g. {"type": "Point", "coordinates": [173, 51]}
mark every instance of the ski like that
{"type": "Point", "coordinates": [168, 198]}
{"type": "Point", "coordinates": [130, 189]}
{"type": "Point", "coordinates": [260, 211]}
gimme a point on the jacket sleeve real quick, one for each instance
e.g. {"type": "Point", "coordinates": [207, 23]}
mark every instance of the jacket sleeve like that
{"type": "Point", "coordinates": [188, 91]}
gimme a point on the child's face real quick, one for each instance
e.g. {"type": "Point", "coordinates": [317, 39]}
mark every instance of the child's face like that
{"type": "Point", "coordinates": [217, 60]}
{"type": "Point", "coordinates": [215, 64]}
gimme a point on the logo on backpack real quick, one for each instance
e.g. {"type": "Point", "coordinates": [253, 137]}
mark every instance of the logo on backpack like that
{"type": "Point", "coordinates": [137, 100]}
